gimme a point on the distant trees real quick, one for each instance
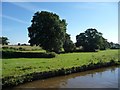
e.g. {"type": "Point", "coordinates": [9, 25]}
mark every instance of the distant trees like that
{"type": "Point", "coordinates": [47, 31]}
{"type": "Point", "coordinates": [114, 45]}
{"type": "Point", "coordinates": [19, 44]}
{"type": "Point", "coordinates": [4, 40]}
{"type": "Point", "coordinates": [68, 45]}
{"type": "Point", "coordinates": [91, 40]}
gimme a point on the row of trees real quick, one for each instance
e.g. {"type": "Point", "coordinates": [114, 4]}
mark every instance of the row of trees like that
{"type": "Point", "coordinates": [49, 32]}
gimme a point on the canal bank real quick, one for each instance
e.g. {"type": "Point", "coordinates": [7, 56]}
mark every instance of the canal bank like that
{"type": "Point", "coordinates": [98, 78]}
{"type": "Point", "coordinates": [13, 81]}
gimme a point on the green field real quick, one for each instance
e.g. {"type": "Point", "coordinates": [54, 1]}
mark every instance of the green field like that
{"type": "Point", "coordinates": [22, 48]}
{"type": "Point", "coordinates": [20, 66]}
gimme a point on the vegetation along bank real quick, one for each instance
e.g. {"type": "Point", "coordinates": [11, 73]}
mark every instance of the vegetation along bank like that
{"type": "Point", "coordinates": [20, 70]}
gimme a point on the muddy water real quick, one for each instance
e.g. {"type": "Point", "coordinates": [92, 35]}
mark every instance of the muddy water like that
{"type": "Point", "coordinates": [98, 78]}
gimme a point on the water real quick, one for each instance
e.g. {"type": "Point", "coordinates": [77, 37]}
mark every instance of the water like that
{"type": "Point", "coordinates": [98, 78]}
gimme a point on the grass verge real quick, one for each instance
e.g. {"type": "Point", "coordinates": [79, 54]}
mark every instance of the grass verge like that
{"type": "Point", "coordinates": [20, 70]}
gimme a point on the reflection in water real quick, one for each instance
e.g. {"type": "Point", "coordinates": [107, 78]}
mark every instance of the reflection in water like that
{"type": "Point", "coordinates": [99, 78]}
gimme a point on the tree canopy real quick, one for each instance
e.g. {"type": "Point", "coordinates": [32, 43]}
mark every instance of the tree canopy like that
{"type": "Point", "coordinates": [68, 44]}
{"type": "Point", "coordinates": [4, 40]}
{"type": "Point", "coordinates": [47, 31]}
{"type": "Point", "coordinates": [91, 40]}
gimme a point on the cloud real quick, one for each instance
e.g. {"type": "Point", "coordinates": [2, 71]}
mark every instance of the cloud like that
{"type": "Point", "coordinates": [29, 6]}
{"type": "Point", "coordinates": [14, 19]}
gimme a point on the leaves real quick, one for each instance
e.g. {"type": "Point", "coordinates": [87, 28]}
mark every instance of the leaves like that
{"type": "Point", "coordinates": [91, 40]}
{"type": "Point", "coordinates": [47, 31]}
{"type": "Point", "coordinates": [4, 40]}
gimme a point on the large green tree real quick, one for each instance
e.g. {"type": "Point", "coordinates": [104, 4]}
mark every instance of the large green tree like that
{"type": "Point", "coordinates": [4, 40]}
{"type": "Point", "coordinates": [90, 40]}
{"type": "Point", "coordinates": [47, 31]}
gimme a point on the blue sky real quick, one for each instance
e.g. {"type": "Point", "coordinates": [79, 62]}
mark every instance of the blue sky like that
{"type": "Point", "coordinates": [16, 18]}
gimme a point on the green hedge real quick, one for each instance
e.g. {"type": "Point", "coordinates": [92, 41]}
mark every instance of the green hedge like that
{"type": "Point", "coordinates": [10, 54]}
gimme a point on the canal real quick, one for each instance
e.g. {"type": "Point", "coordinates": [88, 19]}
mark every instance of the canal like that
{"type": "Point", "coordinates": [98, 78]}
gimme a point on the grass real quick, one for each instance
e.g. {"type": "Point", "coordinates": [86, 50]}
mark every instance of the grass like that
{"type": "Point", "coordinates": [21, 66]}
{"type": "Point", "coordinates": [22, 48]}
{"type": "Point", "coordinates": [19, 70]}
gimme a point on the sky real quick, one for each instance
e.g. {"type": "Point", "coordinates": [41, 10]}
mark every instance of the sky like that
{"type": "Point", "coordinates": [17, 16]}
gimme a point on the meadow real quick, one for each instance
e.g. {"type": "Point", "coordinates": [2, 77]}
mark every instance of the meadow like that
{"type": "Point", "coordinates": [16, 70]}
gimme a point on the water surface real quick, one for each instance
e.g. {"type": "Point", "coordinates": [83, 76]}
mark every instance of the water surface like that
{"type": "Point", "coordinates": [98, 78]}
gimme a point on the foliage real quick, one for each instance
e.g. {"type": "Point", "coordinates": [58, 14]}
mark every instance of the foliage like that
{"type": "Point", "coordinates": [12, 54]}
{"type": "Point", "coordinates": [114, 45]}
{"type": "Point", "coordinates": [4, 40]}
{"type": "Point", "coordinates": [103, 44]}
{"type": "Point", "coordinates": [91, 40]}
{"type": "Point", "coordinates": [47, 31]}
{"type": "Point", "coordinates": [19, 44]}
{"type": "Point", "coordinates": [68, 44]}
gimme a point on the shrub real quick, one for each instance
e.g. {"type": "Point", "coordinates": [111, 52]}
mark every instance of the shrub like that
{"type": "Point", "coordinates": [69, 46]}
{"type": "Point", "coordinates": [10, 54]}
{"type": "Point", "coordinates": [4, 47]}
{"type": "Point", "coordinates": [9, 49]}
{"type": "Point", "coordinates": [21, 49]}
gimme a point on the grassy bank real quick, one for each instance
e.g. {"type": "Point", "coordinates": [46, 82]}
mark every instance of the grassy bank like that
{"type": "Point", "coordinates": [20, 70]}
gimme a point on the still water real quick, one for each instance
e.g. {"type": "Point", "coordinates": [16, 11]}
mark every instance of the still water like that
{"type": "Point", "coordinates": [98, 78]}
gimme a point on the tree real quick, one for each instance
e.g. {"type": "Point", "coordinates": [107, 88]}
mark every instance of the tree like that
{"type": "Point", "coordinates": [68, 44]}
{"type": "Point", "coordinates": [4, 40]}
{"type": "Point", "coordinates": [19, 44]}
{"type": "Point", "coordinates": [114, 45]}
{"type": "Point", "coordinates": [47, 31]}
{"type": "Point", "coordinates": [90, 40]}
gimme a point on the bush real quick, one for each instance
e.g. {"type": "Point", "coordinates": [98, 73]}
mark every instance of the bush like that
{"type": "Point", "coordinates": [10, 54]}
{"type": "Point", "coordinates": [9, 49]}
{"type": "Point", "coordinates": [69, 46]}
{"type": "Point", "coordinates": [21, 49]}
{"type": "Point", "coordinates": [5, 48]}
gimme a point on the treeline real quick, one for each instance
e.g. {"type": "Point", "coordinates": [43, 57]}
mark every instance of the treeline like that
{"type": "Point", "coordinates": [49, 32]}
